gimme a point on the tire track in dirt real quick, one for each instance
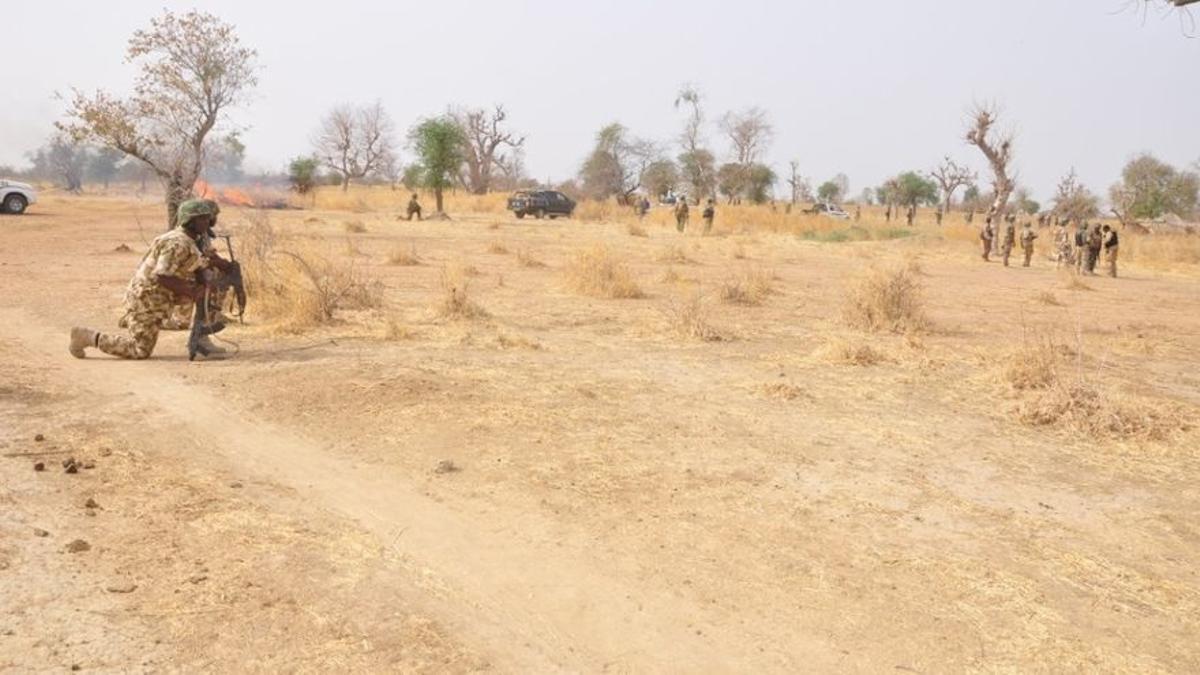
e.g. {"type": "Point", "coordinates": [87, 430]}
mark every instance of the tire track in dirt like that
{"type": "Point", "coordinates": [536, 600]}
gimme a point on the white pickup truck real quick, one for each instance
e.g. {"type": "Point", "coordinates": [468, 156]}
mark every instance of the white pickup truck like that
{"type": "Point", "coordinates": [15, 197]}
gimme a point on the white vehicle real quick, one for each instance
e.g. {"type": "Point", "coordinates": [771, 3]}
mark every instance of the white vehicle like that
{"type": "Point", "coordinates": [14, 196]}
{"type": "Point", "coordinates": [831, 211]}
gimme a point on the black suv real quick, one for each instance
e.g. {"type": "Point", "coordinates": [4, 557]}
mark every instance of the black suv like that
{"type": "Point", "coordinates": [540, 204]}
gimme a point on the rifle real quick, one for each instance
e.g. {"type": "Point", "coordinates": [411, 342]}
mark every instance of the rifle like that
{"type": "Point", "coordinates": [228, 278]}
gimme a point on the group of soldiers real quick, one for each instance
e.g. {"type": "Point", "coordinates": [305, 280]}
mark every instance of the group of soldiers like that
{"type": "Point", "coordinates": [1081, 250]}
{"type": "Point", "coordinates": [682, 213]}
{"type": "Point", "coordinates": [176, 272]}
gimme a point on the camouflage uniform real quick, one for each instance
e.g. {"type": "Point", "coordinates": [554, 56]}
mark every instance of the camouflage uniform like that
{"type": "Point", "coordinates": [1062, 246]}
{"type": "Point", "coordinates": [986, 235]}
{"type": "Point", "coordinates": [414, 208]}
{"type": "Point", "coordinates": [148, 303]}
{"type": "Point", "coordinates": [708, 215]}
{"type": "Point", "coordinates": [1080, 243]}
{"type": "Point", "coordinates": [1111, 245]}
{"type": "Point", "coordinates": [1094, 242]}
{"type": "Point", "coordinates": [1006, 244]}
{"type": "Point", "coordinates": [681, 213]}
{"type": "Point", "coordinates": [1027, 237]}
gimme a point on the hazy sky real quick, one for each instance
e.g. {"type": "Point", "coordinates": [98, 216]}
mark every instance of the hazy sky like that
{"type": "Point", "coordinates": [868, 88]}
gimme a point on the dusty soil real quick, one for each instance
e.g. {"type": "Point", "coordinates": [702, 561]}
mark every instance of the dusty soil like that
{"type": "Point", "coordinates": [626, 499]}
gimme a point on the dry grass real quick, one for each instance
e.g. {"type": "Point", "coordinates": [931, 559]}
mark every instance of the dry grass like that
{"type": "Point", "coordinates": [455, 301]}
{"type": "Point", "coordinates": [354, 227]}
{"type": "Point", "coordinates": [636, 230]}
{"type": "Point", "coordinates": [1074, 283]}
{"type": "Point", "coordinates": [673, 254]}
{"type": "Point", "coordinates": [739, 252]}
{"type": "Point", "coordinates": [526, 259]}
{"type": "Point", "coordinates": [406, 257]}
{"type": "Point", "coordinates": [497, 247]}
{"type": "Point", "coordinates": [505, 341]}
{"type": "Point", "coordinates": [886, 300]}
{"type": "Point", "coordinates": [751, 287]}
{"type": "Point", "coordinates": [395, 331]}
{"type": "Point", "coordinates": [845, 352]}
{"type": "Point", "coordinates": [1047, 298]}
{"type": "Point", "coordinates": [1035, 365]}
{"type": "Point", "coordinates": [690, 318]}
{"type": "Point", "coordinates": [598, 273]}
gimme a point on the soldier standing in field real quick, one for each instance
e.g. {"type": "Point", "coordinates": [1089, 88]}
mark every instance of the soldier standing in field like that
{"type": "Point", "coordinates": [1111, 245]}
{"type": "Point", "coordinates": [1027, 237]}
{"type": "Point", "coordinates": [937, 215]}
{"type": "Point", "coordinates": [986, 235]}
{"type": "Point", "coordinates": [1095, 241]}
{"type": "Point", "coordinates": [414, 207]}
{"type": "Point", "coordinates": [857, 212]}
{"type": "Point", "coordinates": [910, 214]}
{"type": "Point", "coordinates": [1006, 243]}
{"type": "Point", "coordinates": [1080, 246]}
{"type": "Point", "coordinates": [681, 213]}
{"type": "Point", "coordinates": [1062, 245]}
{"type": "Point", "coordinates": [164, 278]}
{"type": "Point", "coordinates": [709, 213]}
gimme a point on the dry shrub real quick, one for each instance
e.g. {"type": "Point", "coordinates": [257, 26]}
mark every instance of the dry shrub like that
{"type": "Point", "coordinates": [455, 301]}
{"type": "Point", "coordinates": [1074, 283]}
{"type": "Point", "coordinates": [1047, 298]}
{"type": "Point", "coordinates": [526, 259]}
{"type": "Point", "coordinates": [1036, 364]}
{"type": "Point", "coordinates": [598, 273]}
{"type": "Point", "coordinates": [395, 331]}
{"type": "Point", "coordinates": [313, 220]}
{"type": "Point", "coordinates": [517, 342]}
{"type": "Point", "coordinates": [497, 248]}
{"type": "Point", "coordinates": [303, 286]}
{"type": "Point", "coordinates": [783, 391]}
{"type": "Point", "coordinates": [846, 352]}
{"type": "Point", "coordinates": [886, 300]}
{"type": "Point", "coordinates": [914, 267]}
{"type": "Point", "coordinates": [689, 318]}
{"type": "Point", "coordinates": [751, 287]}
{"type": "Point", "coordinates": [406, 257]}
{"type": "Point", "coordinates": [636, 230]}
{"type": "Point", "coordinates": [673, 254]}
{"type": "Point", "coordinates": [354, 226]}
{"type": "Point", "coordinates": [670, 276]}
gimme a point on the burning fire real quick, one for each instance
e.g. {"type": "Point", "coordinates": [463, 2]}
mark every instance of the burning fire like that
{"type": "Point", "coordinates": [234, 197]}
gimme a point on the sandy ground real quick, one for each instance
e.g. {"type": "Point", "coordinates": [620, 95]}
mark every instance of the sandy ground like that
{"type": "Point", "coordinates": [627, 500]}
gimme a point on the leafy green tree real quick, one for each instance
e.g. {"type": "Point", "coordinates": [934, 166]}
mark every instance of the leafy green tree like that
{"type": "Point", "coordinates": [912, 189]}
{"type": "Point", "coordinates": [829, 191]}
{"type": "Point", "coordinates": [1150, 188]}
{"type": "Point", "coordinates": [438, 142]}
{"type": "Point", "coordinates": [698, 168]}
{"type": "Point", "coordinates": [1073, 201]}
{"type": "Point", "coordinates": [660, 177]}
{"type": "Point", "coordinates": [104, 164]}
{"type": "Point", "coordinates": [302, 174]}
{"type": "Point", "coordinates": [760, 179]}
{"type": "Point", "coordinates": [731, 181]}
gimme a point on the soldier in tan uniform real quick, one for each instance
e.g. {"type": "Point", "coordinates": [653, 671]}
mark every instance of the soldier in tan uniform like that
{"type": "Point", "coordinates": [986, 235]}
{"type": "Point", "coordinates": [1006, 243]}
{"type": "Point", "coordinates": [1111, 244]}
{"type": "Point", "coordinates": [1027, 237]}
{"type": "Point", "coordinates": [1062, 245]}
{"type": "Point", "coordinates": [414, 207]}
{"type": "Point", "coordinates": [681, 213]}
{"type": "Point", "coordinates": [163, 279]}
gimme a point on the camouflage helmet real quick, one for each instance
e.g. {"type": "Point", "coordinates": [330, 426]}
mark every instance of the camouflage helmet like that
{"type": "Point", "coordinates": [212, 204]}
{"type": "Point", "coordinates": [191, 209]}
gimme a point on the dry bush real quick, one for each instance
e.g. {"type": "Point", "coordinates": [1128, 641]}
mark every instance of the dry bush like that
{"type": "Point", "coordinates": [783, 391]}
{"type": "Point", "coordinates": [598, 273]}
{"type": "Point", "coordinates": [1035, 365]}
{"type": "Point", "coordinates": [913, 264]}
{"type": "Point", "coordinates": [354, 226]}
{"type": "Point", "coordinates": [689, 318]}
{"type": "Point", "coordinates": [517, 342]}
{"type": "Point", "coordinates": [673, 254]}
{"type": "Point", "coordinates": [1047, 298]}
{"type": "Point", "coordinates": [845, 352]}
{"type": "Point", "coordinates": [395, 331]}
{"type": "Point", "coordinates": [406, 257]}
{"type": "Point", "coordinates": [1074, 283]}
{"type": "Point", "coordinates": [455, 301]}
{"type": "Point", "coordinates": [303, 285]}
{"type": "Point", "coordinates": [636, 230]}
{"type": "Point", "coordinates": [526, 259]}
{"type": "Point", "coordinates": [313, 220]}
{"type": "Point", "coordinates": [497, 248]}
{"type": "Point", "coordinates": [886, 300]}
{"type": "Point", "coordinates": [751, 287]}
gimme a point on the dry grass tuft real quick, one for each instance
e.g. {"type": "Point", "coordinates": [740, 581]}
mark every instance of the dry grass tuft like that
{"type": "Point", "coordinates": [886, 300]}
{"type": "Point", "coordinates": [498, 248]}
{"type": "Point", "coordinates": [304, 286]}
{"type": "Point", "coordinates": [354, 226]}
{"type": "Point", "coordinates": [845, 352]}
{"type": "Point", "coordinates": [783, 391]}
{"type": "Point", "coordinates": [455, 301]}
{"type": "Point", "coordinates": [526, 259]}
{"type": "Point", "coordinates": [1047, 298]}
{"type": "Point", "coordinates": [739, 252]}
{"type": "Point", "coordinates": [636, 230]}
{"type": "Point", "coordinates": [517, 342]}
{"type": "Point", "coordinates": [313, 220]}
{"type": "Point", "coordinates": [689, 318]}
{"type": "Point", "coordinates": [493, 225]}
{"type": "Point", "coordinates": [751, 287]}
{"type": "Point", "coordinates": [1036, 364]}
{"type": "Point", "coordinates": [598, 273]}
{"type": "Point", "coordinates": [395, 331]}
{"type": "Point", "coordinates": [406, 257]}
{"type": "Point", "coordinates": [673, 254]}
{"type": "Point", "coordinates": [1074, 283]}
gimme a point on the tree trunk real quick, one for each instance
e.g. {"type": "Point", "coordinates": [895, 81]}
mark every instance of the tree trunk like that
{"type": "Point", "coordinates": [437, 198]}
{"type": "Point", "coordinates": [345, 182]}
{"type": "Point", "coordinates": [176, 194]}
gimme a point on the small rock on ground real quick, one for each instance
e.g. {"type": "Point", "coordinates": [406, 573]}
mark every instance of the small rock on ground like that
{"type": "Point", "coordinates": [78, 546]}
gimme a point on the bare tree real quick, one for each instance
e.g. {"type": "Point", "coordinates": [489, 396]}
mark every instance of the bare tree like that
{"type": "Point", "coordinates": [617, 164]}
{"type": "Point", "coordinates": [193, 69]}
{"type": "Point", "coordinates": [1073, 201]}
{"type": "Point", "coordinates": [696, 163]}
{"type": "Point", "coordinates": [355, 142]}
{"type": "Point", "coordinates": [749, 133]}
{"type": "Point", "coordinates": [997, 148]}
{"type": "Point", "coordinates": [950, 176]}
{"type": "Point", "coordinates": [485, 136]}
{"type": "Point", "coordinates": [799, 187]}
{"type": "Point", "coordinates": [62, 159]}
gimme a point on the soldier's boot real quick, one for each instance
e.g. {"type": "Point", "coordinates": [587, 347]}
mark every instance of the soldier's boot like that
{"type": "Point", "coordinates": [81, 339]}
{"type": "Point", "coordinates": [210, 349]}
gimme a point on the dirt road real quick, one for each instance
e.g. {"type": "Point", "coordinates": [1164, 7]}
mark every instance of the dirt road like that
{"type": "Point", "coordinates": [627, 501]}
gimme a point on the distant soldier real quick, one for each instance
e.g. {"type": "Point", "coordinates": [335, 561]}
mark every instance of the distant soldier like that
{"type": "Point", "coordinates": [1062, 245]}
{"type": "Point", "coordinates": [911, 214]}
{"type": "Point", "coordinates": [643, 207]}
{"type": "Point", "coordinates": [709, 213]}
{"type": "Point", "coordinates": [887, 214]}
{"type": "Point", "coordinates": [681, 213]}
{"type": "Point", "coordinates": [1006, 243]}
{"type": "Point", "coordinates": [1027, 237]}
{"type": "Point", "coordinates": [1111, 244]}
{"type": "Point", "coordinates": [986, 235]}
{"type": "Point", "coordinates": [414, 207]}
{"type": "Point", "coordinates": [1095, 241]}
{"type": "Point", "coordinates": [1080, 246]}
{"type": "Point", "coordinates": [937, 215]}
{"type": "Point", "coordinates": [857, 212]}
{"type": "Point", "coordinates": [969, 216]}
